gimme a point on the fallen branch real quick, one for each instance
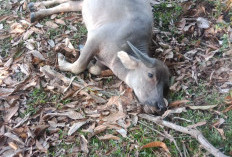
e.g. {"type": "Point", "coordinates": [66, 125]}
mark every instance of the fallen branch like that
{"type": "Point", "coordinates": [193, 132]}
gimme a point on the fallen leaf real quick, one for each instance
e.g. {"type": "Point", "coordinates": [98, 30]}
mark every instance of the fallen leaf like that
{"type": "Point", "coordinates": [203, 23]}
{"type": "Point", "coordinates": [175, 110]}
{"type": "Point", "coordinates": [221, 131]}
{"type": "Point", "coordinates": [123, 132]}
{"type": "Point", "coordinates": [59, 21]}
{"type": "Point", "coordinates": [84, 144]}
{"type": "Point", "coordinates": [75, 127]}
{"type": "Point", "coordinates": [156, 144]}
{"type": "Point", "coordinates": [107, 73]}
{"type": "Point", "coordinates": [219, 122]}
{"type": "Point", "coordinates": [227, 109]}
{"type": "Point", "coordinates": [10, 113]}
{"type": "Point", "coordinates": [202, 107]}
{"type": "Point", "coordinates": [108, 137]}
{"type": "Point", "coordinates": [100, 129]}
{"type": "Point", "coordinates": [27, 34]}
{"type": "Point", "coordinates": [40, 146]}
{"type": "Point", "coordinates": [37, 54]}
{"type": "Point", "coordinates": [178, 103]}
{"type": "Point", "coordinates": [51, 24]}
{"type": "Point", "coordinates": [14, 137]}
{"type": "Point", "coordinates": [74, 115]}
{"type": "Point", "coordinates": [197, 124]}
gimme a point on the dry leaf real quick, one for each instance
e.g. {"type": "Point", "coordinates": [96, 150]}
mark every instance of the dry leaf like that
{"type": "Point", "coordinates": [175, 110]}
{"type": "Point", "coordinates": [59, 21]}
{"type": "Point", "coordinates": [197, 124]}
{"type": "Point", "coordinates": [73, 115]}
{"type": "Point", "coordinates": [75, 127]}
{"type": "Point", "coordinates": [84, 144]}
{"type": "Point", "coordinates": [202, 107]}
{"type": "Point", "coordinates": [51, 24]}
{"type": "Point", "coordinates": [219, 122]}
{"type": "Point", "coordinates": [227, 109]}
{"type": "Point", "coordinates": [203, 23]}
{"type": "Point", "coordinates": [10, 113]}
{"type": "Point", "coordinates": [123, 132]}
{"type": "Point", "coordinates": [156, 144]}
{"type": "Point", "coordinates": [178, 103]}
{"type": "Point", "coordinates": [100, 129]}
{"type": "Point", "coordinates": [40, 147]}
{"type": "Point", "coordinates": [37, 54]}
{"type": "Point", "coordinates": [107, 73]}
{"type": "Point", "coordinates": [221, 131]}
{"type": "Point", "coordinates": [14, 137]}
{"type": "Point", "coordinates": [108, 137]}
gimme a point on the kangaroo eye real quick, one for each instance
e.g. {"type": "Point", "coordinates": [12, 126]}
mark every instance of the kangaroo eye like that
{"type": "Point", "coordinates": [150, 75]}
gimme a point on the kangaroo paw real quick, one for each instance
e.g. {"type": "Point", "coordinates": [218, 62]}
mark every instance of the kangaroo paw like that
{"type": "Point", "coordinates": [32, 17]}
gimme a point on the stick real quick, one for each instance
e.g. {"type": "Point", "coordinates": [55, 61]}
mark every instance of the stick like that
{"type": "Point", "coordinates": [193, 132]}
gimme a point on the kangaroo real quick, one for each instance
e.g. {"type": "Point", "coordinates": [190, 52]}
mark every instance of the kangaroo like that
{"type": "Point", "coordinates": [119, 33]}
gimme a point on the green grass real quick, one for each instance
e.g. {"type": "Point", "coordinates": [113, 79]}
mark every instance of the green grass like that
{"type": "Point", "coordinates": [164, 15]}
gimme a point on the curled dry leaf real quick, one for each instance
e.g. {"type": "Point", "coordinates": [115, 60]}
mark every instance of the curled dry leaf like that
{"type": "Point", "coordinates": [106, 73]}
{"type": "Point", "coordinates": [112, 118]}
{"type": "Point", "coordinates": [202, 107]}
{"type": "Point", "coordinates": [219, 122]}
{"type": "Point", "coordinates": [51, 24]}
{"type": "Point", "coordinates": [75, 127]}
{"type": "Point", "coordinates": [221, 131]}
{"type": "Point", "coordinates": [203, 23]}
{"type": "Point", "coordinates": [17, 28]}
{"type": "Point", "coordinates": [59, 21]}
{"type": "Point", "coordinates": [10, 113]}
{"type": "Point", "coordinates": [228, 109]}
{"type": "Point", "coordinates": [37, 54]}
{"type": "Point", "coordinates": [197, 124]}
{"type": "Point", "coordinates": [84, 144]}
{"type": "Point", "coordinates": [100, 129]}
{"type": "Point", "coordinates": [14, 137]}
{"type": "Point", "coordinates": [51, 43]}
{"type": "Point", "coordinates": [123, 132]}
{"type": "Point", "coordinates": [108, 137]}
{"type": "Point", "coordinates": [27, 34]}
{"type": "Point", "coordinates": [40, 146]}
{"type": "Point", "coordinates": [156, 144]}
{"type": "Point", "coordinates": [74, 115]}
{"type": "Point", "coordinates": [8, 63]}
{"type": "Point", "coordinates": [178, 103]}
{"type": "Point", "coordinates": [176, 110]}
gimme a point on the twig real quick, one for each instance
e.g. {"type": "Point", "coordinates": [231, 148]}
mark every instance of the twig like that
{"type": "Point", "coordinates": [193, 132]}
{"type": "Point", "coordinates": [152, 129]}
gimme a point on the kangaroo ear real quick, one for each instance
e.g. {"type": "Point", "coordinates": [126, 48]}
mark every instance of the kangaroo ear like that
{"type": "Point", "coordinates": [128, 61]}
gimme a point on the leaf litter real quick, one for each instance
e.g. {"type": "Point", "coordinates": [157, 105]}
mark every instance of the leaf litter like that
{"type": "Point", "coordinates": [95, 106]}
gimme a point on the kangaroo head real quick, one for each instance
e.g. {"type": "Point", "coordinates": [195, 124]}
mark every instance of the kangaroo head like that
{"type": "Point", "coordinates": [148, 77]}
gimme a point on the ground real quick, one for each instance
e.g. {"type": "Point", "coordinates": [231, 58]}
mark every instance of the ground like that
{"type": "Point", "coordinates": [47, 112]}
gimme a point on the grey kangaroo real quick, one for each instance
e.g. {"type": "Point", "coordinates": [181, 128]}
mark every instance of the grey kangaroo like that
{"type": "Point", "coordinates": [119, 33]}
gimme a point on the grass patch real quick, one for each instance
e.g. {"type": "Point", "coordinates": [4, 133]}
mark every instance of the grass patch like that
{"type": "Point", "coordinates": [166, 14]}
